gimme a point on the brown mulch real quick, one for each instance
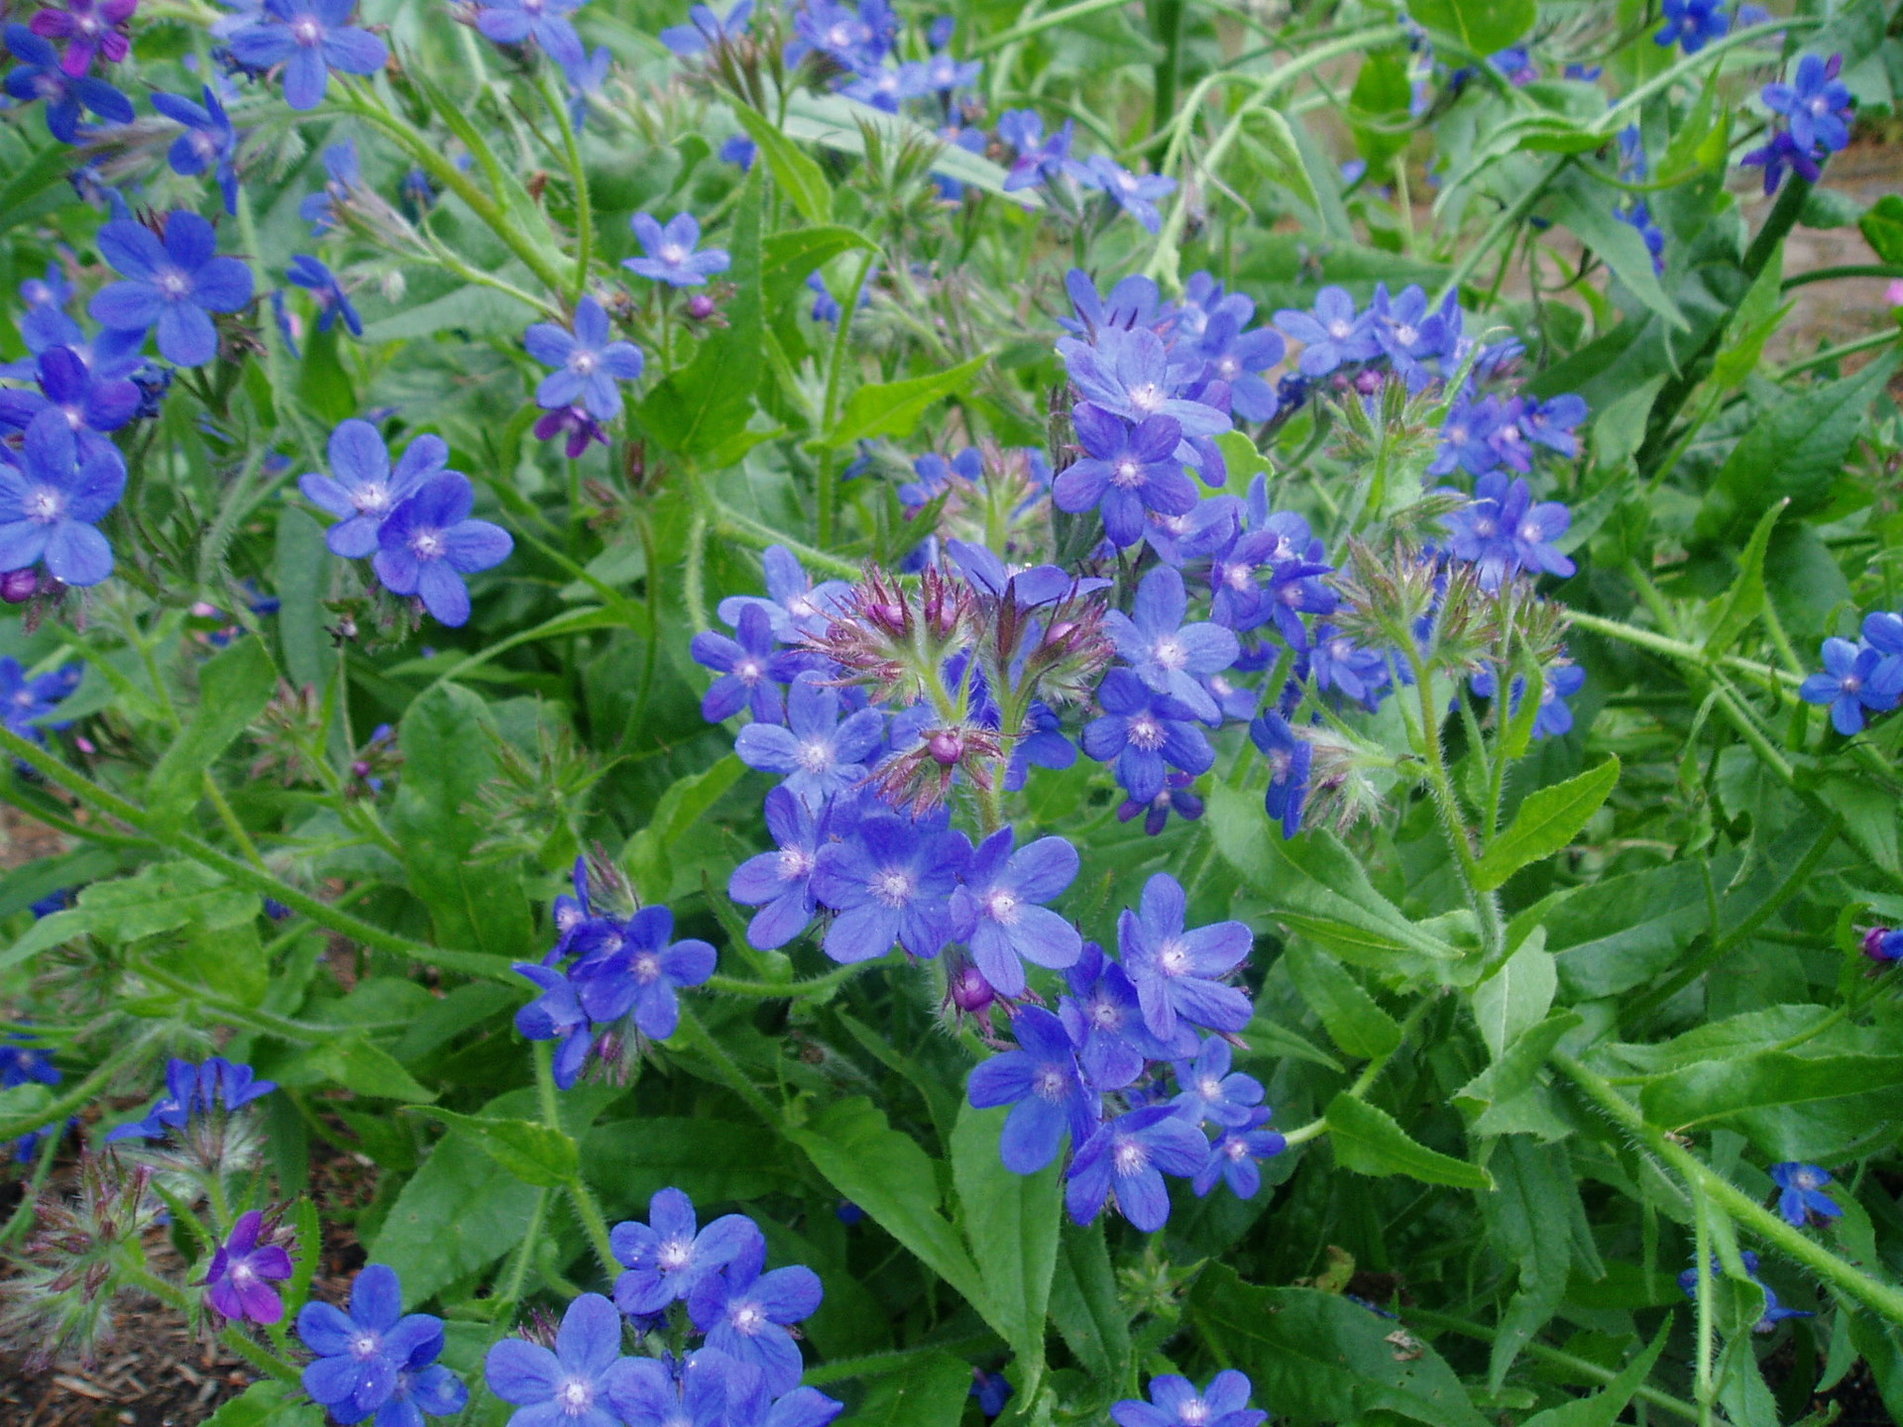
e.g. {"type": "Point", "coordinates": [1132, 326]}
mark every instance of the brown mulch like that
{"type": "Point", "coordinates": [22, 841]}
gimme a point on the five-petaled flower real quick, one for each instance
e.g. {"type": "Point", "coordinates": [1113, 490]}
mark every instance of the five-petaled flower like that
{"type": "Point", "coordinates": [51, 501]}
{"type": "Point", "coordinates": [428, 543]}
{"type": "Point", "coordinates": [174, 284]}
{"type": "Point", "coordinates": [670, 252]}
{"type": "Point", "coordinates": [309, 38]}
{"type": "Point", "coordinates": [588, 362]}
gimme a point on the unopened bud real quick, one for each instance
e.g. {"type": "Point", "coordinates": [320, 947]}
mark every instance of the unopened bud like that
{"type": "Point", "coordinates": [970, 992]}
{"type": "Point", "coordinates": [19, 586]}
{"type": "Point", "coordinates": [700, 307]}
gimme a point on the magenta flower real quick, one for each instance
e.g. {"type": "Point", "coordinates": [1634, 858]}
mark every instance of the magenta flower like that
{"type": "Point", "coordinates": [238, 1284]}
{"type": "Point", "coordinates": [91, 28]}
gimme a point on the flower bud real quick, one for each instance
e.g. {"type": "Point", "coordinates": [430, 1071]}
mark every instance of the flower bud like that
{"type": "Point", "coordinates": [19, 586]}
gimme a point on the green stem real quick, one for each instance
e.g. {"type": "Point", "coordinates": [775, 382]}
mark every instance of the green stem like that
{"type": "Point", "coordinates": [1703, 1389]}
{"type": "Point", "coordinates": [579, 1195]}
{"type": "Point", "coordinates": [242, 874]}
{"type": "Point", "coordinates": [1509, 218]}
{"type": "Point", "coordinates": [792, 990]}
{"type": "Point", "coordinates": [1486, 907]}
{"type": "Point", "coordinates": [747, 531]}
{"type": "Point", "coordinates": [22, 1217]}
{"type": "Point", "coordinates": [1844, 270]}
{"type": "Point", "coordinates": [1837, 354]}
{"type": "Point", "coordinates": [1883, 1299]}
{"type": "Point", "coordinates": [1166, 27]}
{"type": "Point", "coordinates": [1042, 23]}
{"type": "Point", "coordinates": [509, 1292]}
{"type": "Point", "coordinates": [727, 1069]}
{"type": "Point", "coordinates": [578, 177]}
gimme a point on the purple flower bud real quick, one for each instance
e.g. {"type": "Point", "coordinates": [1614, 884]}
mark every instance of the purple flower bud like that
{"type": "Point", "coordinates": [700, 307]}
{"type": "Point", "coordinates": [19, 586]}
{"type": "Point", "coordinates": [970, 992]}
{"type": "Point", "coordinates": [1883, 944]}
{"type": "Point", "coordinates": [945, 745]}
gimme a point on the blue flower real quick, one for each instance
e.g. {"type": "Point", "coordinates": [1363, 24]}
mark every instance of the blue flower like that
{"type": "Point", "coordinates": [1045, 1088]}
{"type": "Point", "coordinates": [1209, 1093]}
{"type": "Point", "coordinates": [208, 139]}
{"type": "Point", "coordinates": [556, 1015]}
{"type": "Point", "coordinates": [819, 755]}
{"type": "Point", "coordinates": [1135, 194]}
{"type": "Point", "coordinates": [752, 669]}
{"type": "Point", "coordinates": [1168, 655]}
{"type": "Point", "coordinates": [588, 362]}
{"type": "Point", "coordinates": [1134, 302]}
{"type": "Point", "coordinates": [195, 1092]}
{"type": "Point", "coordinates": [376, 1359]}
{"type": "Point", "coordinates": [1105, 1019]}
{"type": "Point", "coordinates": [1338, 663]}
{"type": "Point", "coordinates": [26, 710]}
{"type": "Point", "coordinates": [1693, 24]}
{"type": "Point", "coordinates": [997, 909]}
{"type": "Point", "coordinates": [38, 75]}
{"type": "Point", "coordinates": [852, 37]}
{"type": "Point", "coordinates": [936, 475]}
{"type": "Point", "coordinates": [1039, 159]}
{"type": "Point", "coordinates": [1333, 335]}
{"type": "Point", "coordinates": [1176, 971]}
{"type": "Point", "coordinates": [1856, 678]}
{"type": "Point", "coordinates": [50, 502]}
{"type": "Point", "coordinates": [745, 1313]}
{"type": "Point", "coordinates": [22, 1060]}
{"type": "Point", "coordinates": [428, 543]}
{"type": "Point", "coordinates": [309, 38]}
{"type": "Point", "coordinates": [91, 402]}
{"type": "Point", "coordinates": [667, 1258]}
{"type": "Point", "coordinates": [342, 175]}
{"type": "Point", "coordinates": [1128, 1157]}
{"type": "Point", "coordinates": [1816, 106]}
{"type": "Point", "coordinates": [583, 1382]}
{"type": "Point", "coordinates": [1502, 531]}
{"type": "Point", "coordinates": [362, 489]}
{"type": "Point", "coordinates": [1802, 1200]}
{"type": "Point", "coordinates": [993, 1390]}
{"type": "Point", "coordinates": [1144, 731]}
{"type": "Point", "coordinates": [1774, 1312]}
{"type": "Point", "coordinates": [1237, 359]}
{"type": "Point", "coordinates": [1233, 1156]}
{"type": "Point", "coordinates": [1178, 796]}
{"type": "Point", "coordinates": [670, 252]}
{"type": "Point", "coordinates": [512, 22]}
{"type": "Point", "coordinates": [1560, 682]}
{"type": "Point", "coordinates": [585, 78]}
{"type": "Point", "coordinates": [638, 967]}
{"type": "Point", "coordinates": [1131, 374]}
{"type": "Point", "coordinates": [780, 883]}
{"type": "Point", "coordinates": [175, 284]}
{"type": "Point", "coordinates": [664, 1393]}
{"type": "Point", "coordinates": [1174, 1402]}
{"type": "Point", "coordinates": [307, 272]}
{"type": "Point", "coordinates": [793, 602]}
{"type": "Point", "coordinates": [1126, 472]}
{"type": "Point", "coordinates": [705, 28]}
{"type": "Point", "coordinates": [890, 881]}
{"type": "Point", "coordinates": [1289, 757]}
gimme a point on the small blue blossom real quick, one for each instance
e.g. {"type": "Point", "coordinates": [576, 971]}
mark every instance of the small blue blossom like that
{"type": "Point", "coordinates": [1132, 374]}
{"type": "Point", "coordinates": [890, 881]}
{"type": "Point", "coordinates": [194, 1092]}
{"type": "Point", "coordinates": [1290, 757]}
{"type": "Point", "coordinates": [1126, 471]}
{"type": "Point", "coordinates": [1333, 335]}
{"type": "Point", "coordinates": [1177, 972]}
{"type": "Point", "coordinates": [584, 1381]}
{"type": "Point", "coordinates": [1144, 732]}
{"type": "Point", "coordinates": [332, 302]}
{"type": "Point", "coordinates": [1774, 1311]}
{"type": "Point", "coordinates": [752, 668]}
{"type": "Point", "coordinates": [174, 284]}
{"type": "Point", "coordinates": [1857, 679]}
{"type": "Point", "coordinates": [670, 252]}
{"type": "Point", "coordinates": [1127, 1158]}
{"type": "Point", "coordinates": [1039, 160]}
{"type": "Point", "coordinates": [705, 28]}
{"type": "Point", "coordinates": [51, 501]}
{"type": "Point", "coordinates": [793, 602]}
{"type": "Point", "coordinates": [91, 402]}
{"type": "Point", "coordinates": [1169, 656]}
{"type": "Point", "coordinates": [1105, 1020]}
{"type": "Point", "coordinates": [362, 488]}
{"type": "Point", "coordinates": [514, 22]}
{"type": "Point", "coordinates": [556, 1015]}
{"type": "Point", "coordinates": [586, 78]}
{"type": "Point", "coordinates": [1178, 796]}
{"type": "Point", "coordinates": [1045, 1088]}
{"type": "Point", "coordinates": [342, 175]}
{"type": "Point", "coordinates": [39, 75]}
{"type": "Point", "coordinates": [209, 141]}
{"type": "Point", "coordinates": [1208, 1093]}
{"type": "Point", "coordinates": [1342, 666]}
{"type": "Point", "coordinates": [428, 543]}
{"type": "Point", "coordinates": [1233, 1156]}
{"type": "Point", "coordinates": [375, 1359]}
{"type": "Point", "coordinates": [746, 1313]}
{"type": "Point", "coordinates": [1174, 1402]}
{"type": "Point", "coordinates": [1816, 106]}
{"type": "Point", "coordinates": [997, 911]}
{"type": "Point", "coordinates": [667, 1258]}
{"type": "Point", "coordinates": [1801, 1200]}
{"type": "Point", "coordinates": [309, 38]}
{"type": "Point", "coordinates": [588, 362]}
{"type": "Point", "coordinates": [636, 969]}
{"type": "Point", "coordinates": [1502, 531]}
{"type": "Point", "coordinates": [1136, 194]}
{"type": "Point", "coordinates": [27, 707]}
{"type": "Point", "coordinates": [819, 755]}
{"type": "Point", "coordinates": [1693, 24]}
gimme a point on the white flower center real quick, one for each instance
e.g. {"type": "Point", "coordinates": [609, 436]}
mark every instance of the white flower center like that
{"type": "Point", "coordinates": [1127, 473]}
{"type": "Point", "coordinates": [1147, 396]}
{"type": "Point", "coordinates": [1051, 1081]}
{"type": "Point", "coordinates": [172, 283]}
{"type": "Point", "coordinates": [1407, 336]}
{"type": "Point", "coordinates": [673, 254]}
{"type": "Point", "coordinates": [365, 1345]}
{"type": "Point", "coordinates": [1128, 1156]}
{"type": "Point", "coordinates": [747, 1319]}
{"type": "Point", "coordinates": [306, 31]}
{"type": "Point", "coordinates": [1170, 653]}
{"type": "Point", "coordinates": [1173, 959]}
{"type": "Point", "coordinates": [893, 886]}
{"type": "Point", "coordinates": [575, 1396]}
{"type": "Point", "coordinates": [371, 499]}
{"type": "Point", "coordinates": [1530, 533]}
{"type": "Point", "coordinates": [583, 363]}
{"type": "Point", "coordinates": [646, 968]}
{"type": "Point", "coordinates": [1209, 1088]}
{"type": "Point", "coordinates": [815, 756]}
{"type": "Point", "coordinates": [1485, 527]}
{"type": "Point", "coordinates": [796, 864]}
{"type": "Point", "coordinates": [1146, 733]}
{"type": "Point", "coordinates": [1001, 907]}
{"type": "Point", "coordinates": [674, 1255]}
{"type": "Point", "coordinates": [1340, 330]}
{"type": "Point", "coordinates": [44, 504]}
{"type": "Point", "coordinates": [748, 671]}
{"type": "Point", "coordinates": [427, 544]}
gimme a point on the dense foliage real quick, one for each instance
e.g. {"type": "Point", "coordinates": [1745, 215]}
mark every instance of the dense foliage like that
{"type": "Point", "coordinates": [1147, 713]}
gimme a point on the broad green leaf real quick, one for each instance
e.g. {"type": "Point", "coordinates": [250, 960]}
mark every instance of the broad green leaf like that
{"type": "Point", "coordinates": [1733, 612]}
{"type": "Point", "coordinates": [1530, 1220]}
{"type": "Point", "coordinates": [360, 1066]}
{"type": "Point", "coordinates": [1315, 886]}
{"type": "Point", "coordinates": [1353, 1020]}
{"type": "Point", "coordinates": [1714, 1089]}
{"type": "Point", "coordinates": [322, 383]}
{"type": "Point", "coordinates": [1516, 997]}
{"type": "Point", "coordinates": [37, 186]}
{"type": "Point", "coordinates": [1615, 934]}
{"type": "Point", "coordinates": [1881, 226]}
{"type": "Point", "coordinates": [533, 1152]}
{"type": "Point", "coordinates": [699, 408]}
{"type": "Point", "coordinates": [711, 1160]}
{"type": "Point", "coordinates": [473, 310]}
{"type": "Point", "coordinates": [162, 898]}
{"type": "Point", "coordinates": [1546, 822]}
{"type": "Point", "coordinates": [1085, 1306]}
{"type": "Point", "coordinates": [226, 961]}
{"type": "Point", "coordinates": [894, 408]}
{"type": "Point", "coordinates": [234, 687]}
{"type": "Point", "coordinates": [1011, 1223]}
{"type": "Point", "coordinates": [886, 1174]}
{"type": "Point", "coordinates": [448, 756]}
{"type": "Point", "coordinates": [798, 177]}
{"type": "Point", "coordinates": [1581, 205]}
{"type": "Point", "coordinates": [683, 805]}
{"type": "Point", "coordinates": [929, 1393]}
{"type": "Point", "coordinates": [1316, 1357]}
{"type": "Point", "coordinates": [1795, 450]}
{"type": "Point", "coordinates": [268, 1403]}
{"type": "Point", "coordinates": [1369, 1141]}
{"type": "Point", "coordinates": [1289, 168]}
{"type": "Point", "coordinates": [1481, 26]}
{"type": "Point", "coordinates": [787, 258]}
{"type": "Point", "coordinates": [301, 576]}
{"type": "Point", "coordinates": [1758, 316]}
{"type": "Point", "coordinates": [1605, 1408]}
{"type": "Point", "coordinates": [1736, 1036]}
{"type": "Point", "coordinates": [457, 1215]}
{"type": "Point", "coordinates": [1378, 107]}
{"type": "Point", "coordinates": [1514, 1073]}
{"type": "Point", "coordinates": [22, 887]}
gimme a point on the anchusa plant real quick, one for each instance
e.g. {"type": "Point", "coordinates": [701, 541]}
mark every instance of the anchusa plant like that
{"type": "Point", "coordinates": [749, 714]}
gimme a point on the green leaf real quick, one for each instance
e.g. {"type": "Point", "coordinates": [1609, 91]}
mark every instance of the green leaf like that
{"type": "Point", "coordinates": [473, 310]}
{"type": "Point", "coordinates": [1482, 26]}
{"type": "Point", "coordinates": [457, 1215]}
{"type": "Point", "coordinates": [711, 1160]}
{"type": "Point", "coordinates": [1546, 822]}
{"type": "Point", "coordinates": [787, 259]}
{"type": "Point", "coordinates": [448, 756]}
{"type": "Point", "coordinates": [301, 575]}
{"type": "Point", "coordinates": [697, 409]}
{"type": "Point", "coordinates": [1378, 107]}
{"type": "Point", "coordinates": [929, 1393]}
{"type": "Point", "coordinates": [1289, 168]}
{"type": "Point", "coordinates": [1881, 226]}
{"type": "Point", "coordinates": [359, 1066]}
{"type": "Point", "coordinates": [268, 1403]}
{"type": "Point", "coordinates": [1759, 315]}
{"type": "Point", "coordinates": [1085, 1306]}
{"type": "Point", "coordinates": [1516, 997]}
{"type": "Point", "coordinates": [1528, 1218]}
{"type": "Point", "coordinates": [234, 687]}
{"type": "Point", "coordinates": [894, 408]}
{"type": "Point", "coordinates": [1011, 1223]}
{"type": "Point", "coordinates": [799, 178]}
{"type": "Point", "coordinates": [838, 123]}
{"type": "Point", "coordinates": [683, 805]}
{"type": "Point", "coordinates": [1603, 1409]}
{"type": "Point", "coordinates": [1796, 450]}
{"type": "Point", "coordinates": [1714, 1089]}
{"type": "Point", "coordinates": [322, 383]}
{"type": "Point", "coordinates": [1369, 1141]}
{"type": "Point", "coordinates": [1734, 611]}
{"type": "Point", "coordinates": [1315, 886]}
{"type": "Point", "coordinates": [1516, 1072]}
{"type": "Point", "coordinates": [534, 1153]}
{"type": "Point", "coordinates": [1353, 1020]}
{"type": "Point", "coordinates": [886, 1174]}
{"type": "Point", "coordinates": [1579, 203]}
{"type": "Point", "coordinates": [1319, 1358]}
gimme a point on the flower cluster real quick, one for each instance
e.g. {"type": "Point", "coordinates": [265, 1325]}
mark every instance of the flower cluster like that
{"type": "Point", "coordinates": [1815, 110]}
{"type": "Point", "coordinates": [612, 975]}
{"type": "Point", "coordinates": [412, 519]}
{"type": "Point", "coordinates": [1094, 1070]}
{"type": "Point", "coordinates": [710, 1283]}
{"type": "Point", "coordinates": [1862, 676]}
